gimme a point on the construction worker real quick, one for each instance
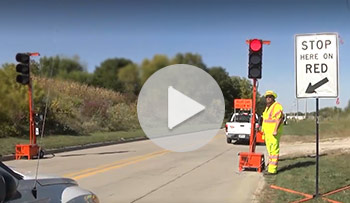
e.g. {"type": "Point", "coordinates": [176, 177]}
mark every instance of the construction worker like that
{"type": "Point", "coordinates": [272, 128]}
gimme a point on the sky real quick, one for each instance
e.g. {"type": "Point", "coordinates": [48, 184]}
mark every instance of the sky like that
{"type": "Point", "coordinates": [217, 30]}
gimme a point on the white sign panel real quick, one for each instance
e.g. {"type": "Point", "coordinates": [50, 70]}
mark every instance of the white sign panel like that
{"type": "Point", "coordinates": [316, 65]}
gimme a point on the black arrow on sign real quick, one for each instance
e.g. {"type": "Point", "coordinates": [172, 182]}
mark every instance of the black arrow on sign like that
{"type": "Point", "coordinates": [312, 88]}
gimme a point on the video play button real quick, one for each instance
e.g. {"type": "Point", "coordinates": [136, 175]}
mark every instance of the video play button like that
{"type": "Point", "coordinates": [180, 108]}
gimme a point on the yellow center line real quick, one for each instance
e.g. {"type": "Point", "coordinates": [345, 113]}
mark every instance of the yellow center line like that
{"type": "Point", "coordinates": [118, 164]}
{"type": "Point", "coordinates": [110, 164]}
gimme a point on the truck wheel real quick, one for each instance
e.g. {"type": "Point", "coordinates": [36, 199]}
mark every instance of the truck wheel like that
{"type": "Point", "coordinates": [229, 141]}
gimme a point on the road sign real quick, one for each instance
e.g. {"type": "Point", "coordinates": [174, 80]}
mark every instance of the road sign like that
{"type": "Point", "coordinates": [243, 104]}
{"type": "Point", "coordinates": [316, 65]}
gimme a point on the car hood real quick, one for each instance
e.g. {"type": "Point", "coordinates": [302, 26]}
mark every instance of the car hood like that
{"type": "Point", "coordinates": [55, 181]}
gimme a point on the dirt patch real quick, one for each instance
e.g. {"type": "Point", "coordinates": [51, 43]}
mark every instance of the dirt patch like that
{"type": "Point", "coordinates": [309, 148]}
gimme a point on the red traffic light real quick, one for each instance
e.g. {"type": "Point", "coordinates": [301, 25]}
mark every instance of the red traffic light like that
{"type": "Point", "coordinates": [255, 45]}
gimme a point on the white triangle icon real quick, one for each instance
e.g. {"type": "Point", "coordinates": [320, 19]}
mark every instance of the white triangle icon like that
{"type": "Point", "coordinates": [180, 107]}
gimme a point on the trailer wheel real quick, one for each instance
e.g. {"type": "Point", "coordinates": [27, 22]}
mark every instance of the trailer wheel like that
{"type": "Point", "coordinates": [41, 154]}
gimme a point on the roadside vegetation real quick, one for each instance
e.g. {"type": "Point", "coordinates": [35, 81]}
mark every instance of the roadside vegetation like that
{"type": "Point", "coordinates": [298, 173]}
{"type": "Point", "coordinates": [333, 123]}
{"type": "Point", "coordinates": [8, 144]}
{"type": "Point", "coordinates": [84, 106]}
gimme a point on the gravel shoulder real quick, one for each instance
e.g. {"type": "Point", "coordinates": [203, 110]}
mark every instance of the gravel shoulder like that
{"type": "Point", "coordinates": [309, 148]}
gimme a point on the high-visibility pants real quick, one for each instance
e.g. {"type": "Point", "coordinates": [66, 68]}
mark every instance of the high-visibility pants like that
{"type": "Point", "coordinates": [273, 149]}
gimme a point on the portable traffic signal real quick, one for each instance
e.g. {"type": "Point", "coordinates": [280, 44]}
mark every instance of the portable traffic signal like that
{"type": "Point", "coordinates": [255, 59]}
{"type": "Point", "coordinates": [23, 68]}
{"type": "Point", "coordinates": [38, 118]}
{"type": "Point", "coordinates": [32, 149]}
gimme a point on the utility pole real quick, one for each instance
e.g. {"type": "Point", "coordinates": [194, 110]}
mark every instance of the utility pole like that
{"type": "Point", "coordinates": [305, 108]}
{"type": "Point", "coordinates": [297, 110]}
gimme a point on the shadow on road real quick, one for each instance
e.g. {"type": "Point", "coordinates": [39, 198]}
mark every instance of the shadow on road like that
{"type": "Point", "coordinates": [246, 142]}
{"type": "Point", "coordinates": [241, 142]}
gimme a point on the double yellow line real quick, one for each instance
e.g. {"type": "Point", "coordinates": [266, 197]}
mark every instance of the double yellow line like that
{"type": "Point", "coordinates": [118, 164]}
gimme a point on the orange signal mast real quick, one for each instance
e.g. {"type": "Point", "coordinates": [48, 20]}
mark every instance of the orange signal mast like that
{"type": "Point", "coordinates": [252, 160]}
{"type": "Point", "coordinates": [32, 149]}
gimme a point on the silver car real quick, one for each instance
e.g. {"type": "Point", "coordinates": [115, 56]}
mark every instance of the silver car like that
{"type": "Point", "coordinates": [15, 188]}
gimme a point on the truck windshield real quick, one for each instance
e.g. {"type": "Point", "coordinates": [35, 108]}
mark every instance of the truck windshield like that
{"type": "Point", "coordinates": [241, 118]}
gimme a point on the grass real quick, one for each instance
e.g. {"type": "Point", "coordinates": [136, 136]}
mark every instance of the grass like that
{"type": "Point", "coordinates": [305, 130]}
{"type": "Point", "coordinates": [7, 145]}
{"type": "Point", "coordinates": [298, 174]}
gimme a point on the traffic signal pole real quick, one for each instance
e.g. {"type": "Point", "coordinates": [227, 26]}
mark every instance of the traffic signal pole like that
{"type": "Point", "coordinates": [251, 159]}
{"type": "Point", "coordinates": [32, 137]}
{"type": "Point", "coordinates": [23, 68]}
{"type": "Point", "coordinates": [252, 140]}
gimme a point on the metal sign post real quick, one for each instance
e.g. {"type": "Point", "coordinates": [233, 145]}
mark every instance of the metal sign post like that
{"type": "Point", "coordinates": [317, 147]}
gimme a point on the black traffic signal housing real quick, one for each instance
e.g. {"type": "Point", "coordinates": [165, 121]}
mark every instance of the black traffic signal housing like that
{"type": "Point", "coordinates": [38, 121]}
{"type": "Point", "coordinates": [38, 118]}
{"type": "Point", "coordinates": [23, 68]}
{"type": "Point", "coordinates": [255, 59]}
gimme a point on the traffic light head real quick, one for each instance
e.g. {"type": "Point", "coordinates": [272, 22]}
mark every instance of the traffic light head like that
{"type": "Point", "coordinates": [255, 59]}
{"type": "Point", "coordinates": [38, 118]}
{"type": "Point", "coordinates": [255, 45]}
{"type": "Point", "coordinates": [23, 58]}
{"type": "Point", "coordinates": [23, 68]}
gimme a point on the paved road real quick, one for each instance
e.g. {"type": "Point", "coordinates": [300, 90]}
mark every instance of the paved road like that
{"type": "Point", "coordinates": [142, 172]}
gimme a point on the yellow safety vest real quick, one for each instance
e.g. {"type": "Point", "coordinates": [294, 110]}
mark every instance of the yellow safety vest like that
{"type": "Point", "coordinates": [270, 118]}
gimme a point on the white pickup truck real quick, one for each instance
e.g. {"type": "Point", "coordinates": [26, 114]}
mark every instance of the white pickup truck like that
{"type": "Point", "coordinates": [238, 127]}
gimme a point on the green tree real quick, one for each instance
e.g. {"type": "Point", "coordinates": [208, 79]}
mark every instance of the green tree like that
{"type": "Point", "coordinates": [245, 87]}
{"type": "Point", "coordinates": [148, 67]}
{"type": "Point", "coordinates": [347, 108]}
{"type": "Point", "coordinates": [330, 112]}
{"type": "Point", "coordinates": [129, 77]}
{"type": "Point", "coordinates": [14, 110]}
{"type": "Point", "coordinates": [59, 66]}
{"type": "Point", "coordinates": [260, 104]}
{"type": "Point", "coordinates": [106, 75]}
{"type": "Point", "coordinates": [191, 59]}
{"type": "Point", "coordinates": [228, 89]}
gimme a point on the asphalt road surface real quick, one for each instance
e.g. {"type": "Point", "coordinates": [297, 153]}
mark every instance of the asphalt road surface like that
{"type": "Point", "coordinates": [144, 173]}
